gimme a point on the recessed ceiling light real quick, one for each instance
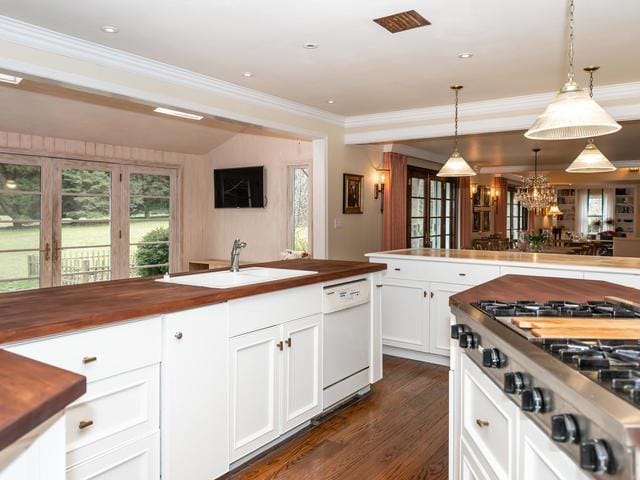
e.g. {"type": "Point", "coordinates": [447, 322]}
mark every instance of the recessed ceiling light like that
{"type": "Point", "coordinates": [247, 74]}
{"type": "Point", "coordinates": [331, 102]}
{"type": "Point", "coordinates": [178, 113]}
{"type": "Point", "coordinates": [10, 79]}
{"type": "Point", "coordinates": [109, 29]}
{"type": "Point", "coordinates": [310, 45]}
{"type": "Point", "coordinates": [465, 55]}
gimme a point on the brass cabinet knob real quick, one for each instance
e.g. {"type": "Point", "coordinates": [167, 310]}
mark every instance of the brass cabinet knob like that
{"type": "Point", "coordinates": [288, 342]}
{"type": "Point", "coordinates": [482, 423]}
{"type": "Point", "coordinates": [280, 345]}
{"type": "Point", "coordinates": [178, 335]}
{"type": "Point", "coordinates": [86, 360]}
{"type": "Point", "coordinates": [85, 424]}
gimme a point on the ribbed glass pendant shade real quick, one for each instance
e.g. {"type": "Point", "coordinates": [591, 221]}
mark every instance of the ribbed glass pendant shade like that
{"type": "Point", "coordinates": [591, 160]}
{"type": "Point", "coordinates": [572, 114]}
{"type": "Point", "coordinates": [456, 166]}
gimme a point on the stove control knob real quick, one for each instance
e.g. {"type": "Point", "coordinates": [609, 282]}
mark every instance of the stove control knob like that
{"type": "Point", "coordinates": [595, 456]}
{"type": "Point", "coordinates": [458, 329]}
{"type": "Point", "coordinates": [564, 428]}
{"type": "Point", "coordinates": [468, 340]}
{"type": "Point", "coordinates": [515, 382]}
{"type": "Point", "coordinates": [533, 400]}
{"type": "Point", "coordinates": [493, 358]}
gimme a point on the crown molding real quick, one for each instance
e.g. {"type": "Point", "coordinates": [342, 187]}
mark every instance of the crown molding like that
{"type": "Point", "coordinates": [39, 38]}
{"type": "Point", "coordinates": [535, 102]}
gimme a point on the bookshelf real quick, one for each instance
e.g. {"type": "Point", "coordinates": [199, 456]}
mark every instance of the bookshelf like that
{"type": "Point", "coordinates": [567, 204]}
{"type": "Point", "coordinates": [625, 210]}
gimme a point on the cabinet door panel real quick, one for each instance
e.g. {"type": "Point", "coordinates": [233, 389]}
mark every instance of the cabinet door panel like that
{"type": "Point", "coordinates": [255, 365]}
{"type": "Point", "coordinates": [405, 315]}
{"type": "Point", "coordinates": [440, 316]}
{"type": "Point", "coordinates": [195, 440]}
{"type": "Point", "coordinates": [302, 374]}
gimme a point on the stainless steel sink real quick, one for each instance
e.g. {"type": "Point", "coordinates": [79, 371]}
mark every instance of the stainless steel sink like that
{"type": "Point", "coordinates": [226, 279]}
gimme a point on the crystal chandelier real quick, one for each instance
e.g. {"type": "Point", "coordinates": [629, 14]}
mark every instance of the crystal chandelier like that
{"type": "Point", "coordinates": [591, 159]}
{"type": "Point", "coordinates": [456, 166]}
{"type": "Point", "coordinates": [572, 114]}
{"type": "Point", "coordinates": [536, 194]}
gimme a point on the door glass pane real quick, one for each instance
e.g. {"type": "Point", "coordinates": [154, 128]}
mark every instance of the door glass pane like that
{"type": "Point", "coordinates": [417, 227]}
{"type": "Point", "coordinates": [149, 224]}
{"type": "Point", "coordinates": [417, 207]}
{"type": "Point", "coordinates": [436, 189]}
{"type": "Point", "coordinates": [417, 187]}
{"type": "Point", "coordinates": [299, 188]}
{"type": "Point", "coordinates": [20, 213]}
{"type": "Point", "coordinates": [416, 242]}
{"type": "Point", "coordinates": [436, 208]}
{"type": "Point", "coordinates": [85, 254]}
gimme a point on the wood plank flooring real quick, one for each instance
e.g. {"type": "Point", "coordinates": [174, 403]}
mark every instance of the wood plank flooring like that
{"type": "Point", "coordinates": [398, 432]}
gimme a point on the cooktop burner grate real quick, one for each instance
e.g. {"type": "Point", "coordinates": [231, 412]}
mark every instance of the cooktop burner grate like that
{"type": "Point", "coordinates": [555, 308]}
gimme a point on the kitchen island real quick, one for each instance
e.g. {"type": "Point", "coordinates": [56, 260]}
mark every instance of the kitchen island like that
{"type": "Point", "coordinates": [419, 282]}
{"type": "Point", "coordinates": [525, 406]}
{"type": "Point", "coordinates": [208, 376]}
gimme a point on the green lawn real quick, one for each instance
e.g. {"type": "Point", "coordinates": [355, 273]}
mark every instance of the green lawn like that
{"type": "Point", "coordinates": [15, 264]}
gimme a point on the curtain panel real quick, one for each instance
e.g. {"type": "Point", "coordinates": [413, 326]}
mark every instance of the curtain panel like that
{"type": "Point", "coordinates": [394, 232]}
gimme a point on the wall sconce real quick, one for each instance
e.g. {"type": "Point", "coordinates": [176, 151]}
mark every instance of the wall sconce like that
{"type": "Point", "coordinates": [473, 189]}
{"type": "Point", "coordinates": [495, 196]}
{"type": "Point", "coordinates": [378, 188]}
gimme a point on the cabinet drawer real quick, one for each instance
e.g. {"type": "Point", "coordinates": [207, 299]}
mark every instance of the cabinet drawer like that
{"type": "Point", "coordinates": [138, 460]}
{"type": "Point", "coordinates": [121, 408]}
{"type": "Point", "coordinates": [102, 352]}
{"type": "Point", "coordinates": [406, 269]}
{"type": "Point", "coordinates": [462, 273]}
{"type": "Point", "coordinates": [489, 420]}
{"type": "Point", "coordinates": [540, 272]}
{"type": "Point", "coordinates": [262, 311]}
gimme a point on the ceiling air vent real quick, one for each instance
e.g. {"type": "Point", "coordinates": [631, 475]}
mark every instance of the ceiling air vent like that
{"type": "Point", "coordinates": [400, 22]}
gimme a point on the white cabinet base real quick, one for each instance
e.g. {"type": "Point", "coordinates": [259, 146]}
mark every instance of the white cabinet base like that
{"type": "Point", "coordinates": [343, 390]}
{"type": "Point", "coordinates": [413, 355]}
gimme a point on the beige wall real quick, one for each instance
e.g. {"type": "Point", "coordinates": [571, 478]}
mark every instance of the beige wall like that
{"type": "Point", "coordinates": [264, 229]}
{"type": "Point", "coordinates": [194, 171]}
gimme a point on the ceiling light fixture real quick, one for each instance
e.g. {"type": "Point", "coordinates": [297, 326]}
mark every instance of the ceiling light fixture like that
{"type": "Point", "coordinates": [456, 166]}
{"type": "Point", "coordinates": [12, 79]}
{"type": "Point", "coordinates": [591, 159]}
{"type": "Point", "coordinates": [465, 55]}
{"type": "Point", "coordinates": [247, 74]}
{"type": "Point", "coordinates": [310, 45]}
{"type": "Point", "coordinates": [536, 194]}
{"type": "Point", "coordinates": [554, 211]}
{"type": "Point", "coordinates": [572, 114]}
{"type": "Point", "coordinates": [109, 29]}
{"type": "Point", "coordinates": [178, 113]}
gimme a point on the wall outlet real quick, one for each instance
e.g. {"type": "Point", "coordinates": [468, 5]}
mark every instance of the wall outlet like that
{"type": "Point", "coordinates": [337, 223]}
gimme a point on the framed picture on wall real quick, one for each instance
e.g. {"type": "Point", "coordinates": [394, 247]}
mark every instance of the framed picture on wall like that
{"type": "Point", "coordinates": [352, 194]}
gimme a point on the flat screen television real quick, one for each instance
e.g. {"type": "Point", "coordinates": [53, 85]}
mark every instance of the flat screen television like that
{"type": "Point", "coordinates": [239, 187]}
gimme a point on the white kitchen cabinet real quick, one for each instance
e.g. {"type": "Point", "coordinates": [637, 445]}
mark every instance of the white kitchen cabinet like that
{"type": "Point", "coordinates": [195, 436]}
{"type": "Point", "coordinates": [440, 316]}
{"type": "Point", "coordinates": [541, 272]}
{"type": "Point", "coordinates": [255, 365]}
{"type": "Point", "coordinates": [470, 468]}
{"type": "Point", "coordinates": [302, 373]}
{"type": "Point", "coordinates": [275, 382]}
{"type": "Point", "coordinates": [541, 458]}
{"type": "Point", "coordinates": [405, 314]}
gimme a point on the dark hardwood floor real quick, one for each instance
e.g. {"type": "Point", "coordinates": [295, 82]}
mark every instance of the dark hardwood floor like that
{"type": "Point", "coordinates": [398, 432]}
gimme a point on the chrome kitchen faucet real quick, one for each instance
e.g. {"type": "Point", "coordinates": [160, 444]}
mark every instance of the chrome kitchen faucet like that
{"type": "Point", "coordinates": [235, 254]}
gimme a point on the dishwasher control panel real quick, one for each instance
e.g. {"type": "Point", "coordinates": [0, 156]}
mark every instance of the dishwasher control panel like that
{"type": "Point", "coordinates": [345, 295]}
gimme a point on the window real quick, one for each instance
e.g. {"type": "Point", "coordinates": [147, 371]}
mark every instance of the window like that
{"type": "Point", "coordinates": [595, 209]}
{"type": "Point", "coordinates": [432, 210]}
{"type": "Point", "coordinates": [517, 215]}
{"type": "Point", "coordinates": [299, 211]}
{"type": "Point", "coordinates": [68, 222]}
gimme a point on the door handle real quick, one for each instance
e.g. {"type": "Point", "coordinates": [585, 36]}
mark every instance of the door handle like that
{"type": "Point", "coordinates": [47, 251]}
{"type": "Point", "coordinates": [55, 251]}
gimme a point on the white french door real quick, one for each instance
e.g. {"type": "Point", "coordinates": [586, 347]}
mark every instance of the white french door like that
{"type": "Point", "coordinates": [67, 222]}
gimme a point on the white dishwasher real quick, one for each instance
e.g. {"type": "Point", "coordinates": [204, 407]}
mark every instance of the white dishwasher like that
{"type": "Point", "coordinates": [347, 340]}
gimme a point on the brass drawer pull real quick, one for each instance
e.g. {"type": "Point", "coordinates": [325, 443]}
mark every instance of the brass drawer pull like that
{"type": "Point", "coordinates": [482, 423]}
{"type": "Point", "coordinates": [379, 285]}
{"type": "Point", "coordinates": [280, 345]}
{"type": "Point", "coordinates": [85, 424]}
{"type": "Point", "coordinates": [397, 269]}
{"type": "Point", "coordinates": [288, 342]}
{"type": "Point", "coordinates": [86, 360]}
{"type": "Point", "coordinates": [462, 274]}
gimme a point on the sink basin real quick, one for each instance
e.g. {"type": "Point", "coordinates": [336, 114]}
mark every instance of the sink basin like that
{"type": "Point", "coordinates": [246, 276]}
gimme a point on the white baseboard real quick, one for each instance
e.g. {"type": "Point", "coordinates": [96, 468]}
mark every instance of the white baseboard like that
{"type": "Point", "coordinates": [413, 355]}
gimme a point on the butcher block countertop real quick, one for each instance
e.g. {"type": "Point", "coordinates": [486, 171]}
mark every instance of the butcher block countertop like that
{"type": "Point", "coordinates": [30, 393]}
{"type": "Point", "coordinates": [48, 311]}
{"type": "Point", "coordinates": [548, 260]}
{"type": "Point", "coordinates": [510, 288]}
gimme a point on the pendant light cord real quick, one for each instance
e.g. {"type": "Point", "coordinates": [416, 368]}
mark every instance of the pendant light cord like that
{"type": "Point", "coordinates": [591, 83]}
{"type": "Point", "coordinates": [455, 141]}
{"type": "Point", "coordinates": [572, 9]}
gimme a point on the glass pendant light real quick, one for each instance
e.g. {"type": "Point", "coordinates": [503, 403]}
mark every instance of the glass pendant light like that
{"type": "Point", "coordinates": [572, 114]}
{"type": "Point", "coordinates": [456, 166]}
{"type": "Point", "coordinates": [591, 159]}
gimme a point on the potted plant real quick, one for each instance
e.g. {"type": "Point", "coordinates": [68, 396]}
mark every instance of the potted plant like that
{"type": "Point", "coordinates": [535, 242]}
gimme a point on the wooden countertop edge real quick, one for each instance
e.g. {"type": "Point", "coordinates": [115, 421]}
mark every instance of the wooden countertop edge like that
{"type": "Point", "coordinates": [194, 297]}
{"type": "Point", "coordinates": [58, 388]}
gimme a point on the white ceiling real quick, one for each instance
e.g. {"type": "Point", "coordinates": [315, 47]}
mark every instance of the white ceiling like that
{"type": "Point", "coordinates": [512, 148]}
{"type": "Point", "coordinates": [58, 112]}
{"type": "Point", "coordinates": [519, 45]}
